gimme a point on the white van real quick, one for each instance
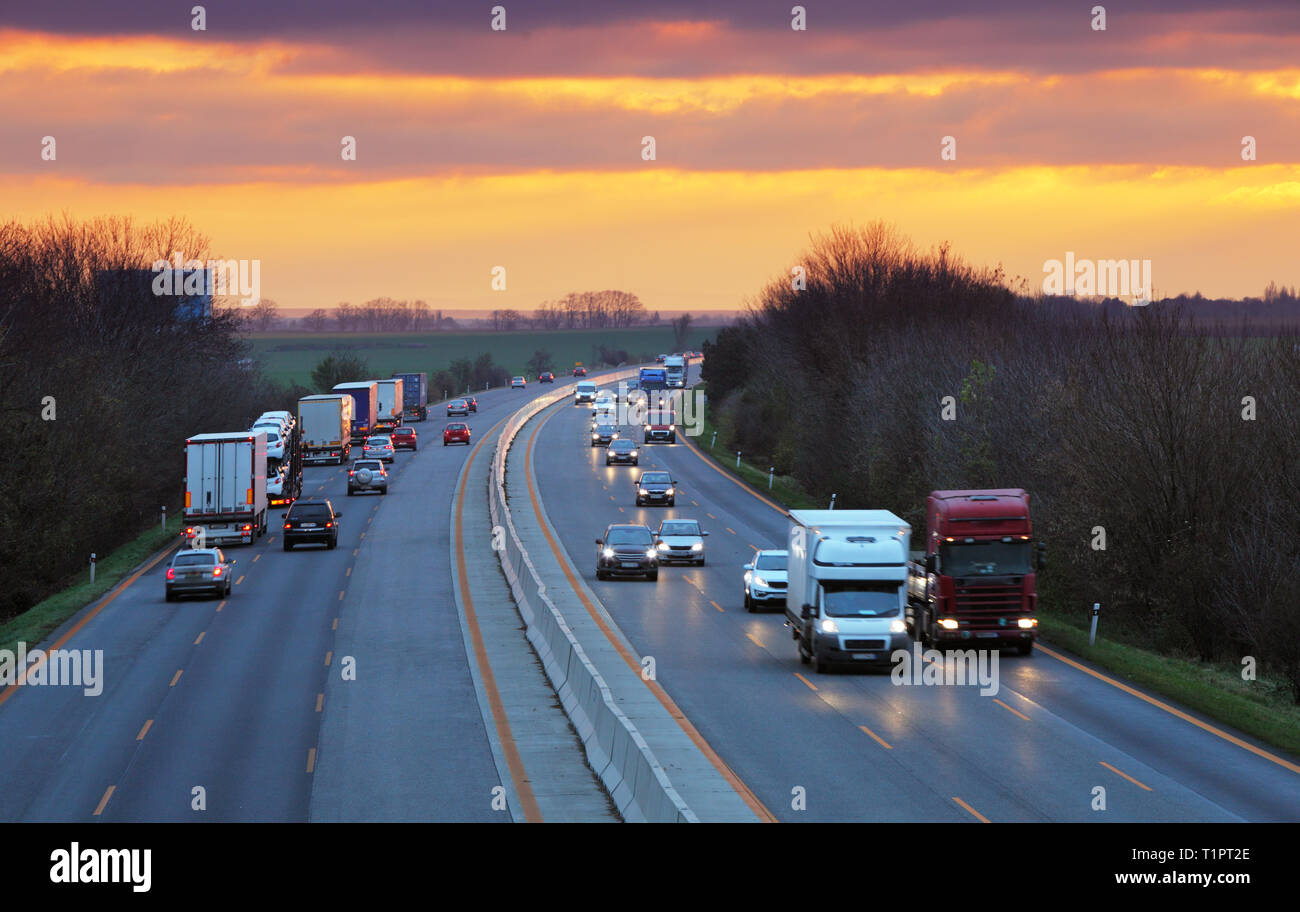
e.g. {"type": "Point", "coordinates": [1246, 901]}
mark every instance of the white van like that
{"type": "Point", "coordinates": [585, 391]}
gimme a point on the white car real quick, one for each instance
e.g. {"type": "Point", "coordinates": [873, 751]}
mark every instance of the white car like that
{"type": "Point", "coordinates": [285, 418]}
{"type": "Point", "coordinates": [604, 399]}
{"type": "Point", "coordinates": [518, 383]}
{"type": "Point", "coordinates": [765, 579]}
{"type": "Point", "coordinates": [680, 540]}
{"type": "Point", "coordinates": [275, 482]}
{"type": "Point", "coordinates": [274, 440]}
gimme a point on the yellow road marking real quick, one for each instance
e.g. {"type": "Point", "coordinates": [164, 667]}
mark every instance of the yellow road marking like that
{"type": "Point", "coordinates": [755, 641]}
{"type": "Point", "coordinates": [1125, 775]}
{"type": "Point", "coordinates": [883, 742]}
{"type": "Point", "coordinates": [1009, 709]}
{"type": "Point", "coordinates": [335, 625]}
{"type": "Point", "coordinates": [716, 605]}
{"type": "Point", "coordinates": [805, 680]}
{"type": "Point", "coordinates": [257, 558]}
{"type": "Point", "coordinates": [981, 817]}
{"type": "Point", "coordinates": [176, 677]}
{"type": "Point", "coordinates": [202, 634]}
{"type": "Point", "coordinates": [329, 657]}
{"type": "Point", "coordinates": [221, 605]}
{"type": "Point", "coordinates": [311, 759]}
{"type": "Point", "coordinates": [349, 572]}
{"type": "Point", "coordinates": [320, 701]}
{"type": "Point", "coordinates": [147, 725]}
{"type": "Point", "coordinates": [238, 581]}
{"type": "Point", "coordinates": [99, 809]}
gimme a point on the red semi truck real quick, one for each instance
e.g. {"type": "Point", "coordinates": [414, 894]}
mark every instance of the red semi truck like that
{"type": "Point", "coordinates": [974, 584]}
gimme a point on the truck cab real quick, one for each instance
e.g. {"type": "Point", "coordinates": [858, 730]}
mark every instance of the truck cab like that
{"type": "Point", "coordinates": [847, 586]}
{"type": "Point", "coordinates": [975, 582]}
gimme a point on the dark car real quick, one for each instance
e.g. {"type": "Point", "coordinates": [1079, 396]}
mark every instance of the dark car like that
{"type": "Point", "coordinates": [546, 377]}
{"type": "Point", "coordinates": [473, 403]}
{"type": "Point", "coordinates": [603, 434]}
{"type": "Point", "coordinates": [627, 550]}
{"type": "Point", "coordinates": [404, 439]}
{"type": "Point", "coordinates": [199, 570]}
{"type": "Point", "coordinates": [579, 372]}
{"type": "Point", "coordinates": [367, 475]}
{"type": "Point", "coordinates": [656, 488]}
{"type": "Point", "coordinates": [621, 451]}
{"type": "Point", "coordinates": [311, 522]}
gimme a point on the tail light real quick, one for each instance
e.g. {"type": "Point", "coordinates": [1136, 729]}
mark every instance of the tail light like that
{"type": "Point", "coordinates": [171, 573]}
{"type": "Point", "coordinates": [216, 571]}
{"type": "Point", "coordinates": [247, 527]}
{"type": "Point", "coordinates": [351, 473]}
{"type": "Point", "coordinates": [288, 525]}
{"type": "Point", "coordinates": [329, 525]}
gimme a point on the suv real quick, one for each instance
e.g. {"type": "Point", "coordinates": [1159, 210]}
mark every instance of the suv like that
{"type": "Point", "coordinates": [627, 550]}
{"type": "Point", "coordinates": [765, 579]}
{"type": "Point", "coordinates": [660, 425]}
{"type": "Point", "coordinates": [199, 570]}
{"type": "Point", "coordinates": [380, 447]}
{"type": "Point", "coordinates": [367, 475]}
{"type": "Point", "coordinates": [656, 488]}
{"type": "Point", "coordinates": [681, 540]}
{"type": "Point", "coordinates": [311, 522]}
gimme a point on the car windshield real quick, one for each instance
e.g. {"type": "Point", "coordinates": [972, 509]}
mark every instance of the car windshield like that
{"type": "Point", "coordinates": [605, 429]}
{"type": "Point", "coordinates": [378, 441]}
{"type": "Point", "coordinates": [372, 464]}
{"type": "Point", "coordinates": [860, 599]}
{"type": "Point", "coordinates": [985, 558]}
{"type": "Point", "coordinates": [309, 512]}
{"type": "Point", "coordinates": [770, 562]}
{"type": "Point", "coordinates": [196, 559]}
{"type": "Point", "coordinates": [621, 446]}
{"type": "Point", "coordinates": [404, 432]}
{"type": "Point", "coordinates": [459, 403]}
{"type": "Point", "coordinates": [656, 478]}
{"type": "Point", "coordinates": [680, 527]}
{"type": "Point", "coordinates": [628, 537]}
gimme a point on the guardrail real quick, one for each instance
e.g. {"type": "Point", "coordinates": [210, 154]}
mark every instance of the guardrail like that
{"type": "Point", "coordinates": [615, 748]}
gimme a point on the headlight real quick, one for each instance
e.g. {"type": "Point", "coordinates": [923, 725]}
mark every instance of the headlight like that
{"type": "Point", "coordinates": [897, 626]}
{"type": "Point", "coordinates": [668, 491]}
{"type": "Point", "coordinates": [647, 427]}
{"type": "Point", "coordinates": [948, 623]}
{"type": "Point", "coordinates": [759, 581]}
{"type": "Point", "coordinates": [829, 626]}
{"type": "Point", "coordinates": [642, 492]}
{"type": "Point", "coordinates": [652, 553]}
{"type": "Point", "coordinates": [663, 546]}
{"type": "Point", "coordinates": [631, 452]}
{"type": "Point", "coordinates": [1027, 623]}
{"type": "Point", "coordinates": [698, 546]}
{"type": "Point", "coordinates": [608, 552]}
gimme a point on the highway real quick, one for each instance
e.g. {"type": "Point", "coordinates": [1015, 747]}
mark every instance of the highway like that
{"type": "Point", "coordinates": [228, 696]}
{"type": "Point", "coordinates": [858, 746]}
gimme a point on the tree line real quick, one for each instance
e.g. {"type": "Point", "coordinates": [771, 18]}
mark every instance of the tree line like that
{"type": "Point", "coordinates": [1158, 448]}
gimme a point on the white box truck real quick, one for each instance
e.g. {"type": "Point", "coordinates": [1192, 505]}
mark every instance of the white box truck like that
{"type": "Point", "coordinates": [326, 425]}
{"type": "Point", "coordinates": [388, 403]}
{"type": "Point", "coordinates": [847, 590]}
{"type": "Point", "coordinates": [675, 372]}
{"type": "Point", "coordinates": [225, 488]}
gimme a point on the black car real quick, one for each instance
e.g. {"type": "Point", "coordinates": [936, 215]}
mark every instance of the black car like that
{"type": "Point", "coordinates": [623, 451]}
{"type": "Point", "coordinates": [546, 377]}
{"type": "Point", "coordinates": [199, 570]}
{"type": "Point", "coordinates": [473, 403]}
{"type": "Point", "coordinates": [311, 522]}
{"type": "Point", "coordinates": [656, 488]}
{"type": "Point", "coordinates": [603, 435]}
{"type": "Point", "coordinates": [627, 550]}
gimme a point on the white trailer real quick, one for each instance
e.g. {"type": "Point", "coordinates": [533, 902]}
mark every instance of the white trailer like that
{"type": "Point", "coordinates": [326, 425]}
{"type": "Point", "coordinates": [675, 371]}
{"type": "Point", "coordinates": [388, 402]}
{"type": "Point", "coordinates": [847, 588]}
{"type": "Point", "coordinates": [225, 488]}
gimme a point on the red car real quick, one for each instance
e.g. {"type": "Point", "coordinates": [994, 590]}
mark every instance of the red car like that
{"type": "Point", "coordinates": [404, 438]}
{"type": "Point", "coordinates": [455, 433]}
{"type": "Point", "coordinates": [579, 372]}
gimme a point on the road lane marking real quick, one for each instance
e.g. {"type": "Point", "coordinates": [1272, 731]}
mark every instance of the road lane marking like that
{"type": "Point", "coordinates": [710, 515]}
{"type": "Point", "coordinates": [716, 605]}
{"type": "Point", "coordinates": [981, 817]}
{"type": "Point", "coordinates": [883, 742]}
{"type": "Point", "coordinates": [147, 725]}
{"type": "Point", "coordinates": [1171, 710]}
{"type": "Point", "coordinates": [341, 591]}
{"type": "Point", "coordinates": [1009, 709]}
{"type": "Point", "coordinates": [694, 504]}
{"type": "Point", "coordinates": [202, 634]}
{"type": "Point", "coordinates": [515, 763]}
{"type": "Point", "coordinates": [756, 548]}
{"type": "Point", "coordinates": [690, 445]}
{"type": "Point", "coordinates": [311, 759]}
{"type": "Point", "coordinates": [329, 656]}
{"type": "Point", "coordinates": [257, 558]}
{"type": "Point", "coordinates": [320, 701]}
{"type": "Point", "coordinates": [1125, 775]}
{"type": "Point", "coordinates": [238, 581]}
{"type": "Point", "coordinates": [349, 572]}
{"type": "Point", "coordinates": [729, 529]}
{"type": "Point", "coordinates": [114, 593]}
{"type": "Point", "coordinates": [99, 809]}
{"type": "Point", "coordinates": [335, 625]}
{"type": "Point", "coordinates": [805, 680]}
{"type": "Point", "coordinates": [221, 604]}
{"type": "Point", "coordinates": [354, 551]}
{"type": "Point", "coordinates": [755, 641]}
{"type": "Point", "coordinates": [176, 677]}
{"type": "Point", "coordinates": [654, 687]}
{"type": "Point", "coordinates": [621, 510]}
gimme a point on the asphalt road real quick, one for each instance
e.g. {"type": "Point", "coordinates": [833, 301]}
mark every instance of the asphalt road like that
{"type": "Point", "coordinates": [228, 696]}
{"type": "Point", "coordinates": [853, 744]}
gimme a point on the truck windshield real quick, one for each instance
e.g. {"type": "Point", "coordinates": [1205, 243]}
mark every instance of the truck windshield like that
{"type": "Point", "coordinates": [858, 598]}
{"type": "Point", "coordinates": [985, 558]}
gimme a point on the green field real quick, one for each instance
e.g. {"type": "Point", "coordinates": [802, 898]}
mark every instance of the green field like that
{"type": "Point", "coordinates": [290, 356]}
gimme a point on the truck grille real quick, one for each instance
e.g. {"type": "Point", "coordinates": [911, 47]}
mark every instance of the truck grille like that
{"type": "Point", "coordinates": [981, 607]}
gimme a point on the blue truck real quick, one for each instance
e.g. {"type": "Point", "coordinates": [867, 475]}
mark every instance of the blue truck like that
{"type": "Point", "coordinates": [365, 407]}
{"type": "Point", "coordinates": [654, 378]}
{"type": "Point", "coordinates": [415, 395]}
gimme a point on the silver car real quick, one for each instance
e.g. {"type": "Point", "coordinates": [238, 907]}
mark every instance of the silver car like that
{"type": "Point", "coordinates": [681, 540]}
{"type": "Point", "coordinates": [765, 580]}
{"type": "Point", "coordinates": [199, 570]}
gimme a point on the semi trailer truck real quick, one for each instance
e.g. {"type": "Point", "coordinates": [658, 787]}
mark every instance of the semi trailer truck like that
{"type": "Point", "coordinates": [415, 395]}
{"type": "Point", "coordinates": [365, 407]}
{"type": "Point", "coordinates": [225, 488]}
{"type": "Point", "coordinates": [325, 425]}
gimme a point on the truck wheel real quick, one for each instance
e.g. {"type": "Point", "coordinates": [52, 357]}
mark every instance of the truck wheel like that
{"type": "Point", "coordinates": [653, 577]}
{"type": "Point", "coordinates": [1025, 648]}
{"type": "Point", "coordinates": [819, 666]}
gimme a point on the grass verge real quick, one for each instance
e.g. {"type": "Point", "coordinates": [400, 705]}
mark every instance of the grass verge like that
{"type": "Point", "coordinates": [35, 624]}
{"type": "Point", "coordinates": [1261, 708]}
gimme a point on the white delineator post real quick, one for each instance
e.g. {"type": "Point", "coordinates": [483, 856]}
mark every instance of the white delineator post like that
{"type": "Point", "coordinates": [1092, 634]}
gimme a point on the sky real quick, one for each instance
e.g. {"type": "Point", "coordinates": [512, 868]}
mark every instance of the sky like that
{"type": "Point", "coordinates": [526, 147]}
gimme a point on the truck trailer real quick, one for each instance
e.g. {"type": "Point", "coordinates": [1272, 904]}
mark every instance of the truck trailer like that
{"type": "Point", "coordinates": [325, 425]}
{"type": "Point", "coordinates": [225, 488]}
{"type": "Point", "coordinates": [975, 581]}
{"type": "Point", "coordinates": [365, 407]}
{"type": "Point", "coordinates": [847, 589]}
{"type": "Point", "coordinates": [653, 378]}
{"type": "Point", "coordinates": [388, 404]}
{"type": "Point", "coordinates": [415, 395]}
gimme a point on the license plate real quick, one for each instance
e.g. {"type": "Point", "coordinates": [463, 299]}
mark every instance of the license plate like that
{"type": "Point", "coordinates": [308, 526]}
{"type": "Point", "coordinates": [986, 635]}
{"type": "Point", "coordinates": [630, 565]}
{"type": "Point", "coordinates": [868, 656]}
